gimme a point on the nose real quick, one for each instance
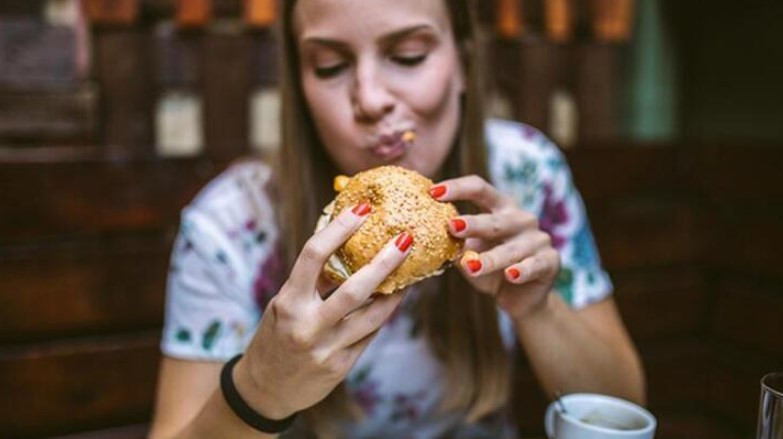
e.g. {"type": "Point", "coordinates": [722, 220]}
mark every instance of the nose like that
{"type": "Point", "coordinates": [371, 98]}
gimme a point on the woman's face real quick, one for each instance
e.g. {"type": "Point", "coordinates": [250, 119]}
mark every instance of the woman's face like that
{"type": "Point", "coordinates": [374, 69]}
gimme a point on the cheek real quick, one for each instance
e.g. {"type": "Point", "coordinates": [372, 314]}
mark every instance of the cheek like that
{"type": "Point", "coordinates": [319, 100]}
{"type": "Point", "coordinates": [329, 109]}
{"type": "Point", "coordinates": [434, 90]}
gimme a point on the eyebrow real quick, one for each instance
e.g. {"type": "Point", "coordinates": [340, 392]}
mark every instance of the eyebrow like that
{"type": "Point", "coordinates": [384, 40]}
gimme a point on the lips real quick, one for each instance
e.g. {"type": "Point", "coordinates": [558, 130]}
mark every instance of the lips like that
{"type": "Point", "coordinates": [391, 146]}
{"type": "Point", "coordinates": [390, 151]}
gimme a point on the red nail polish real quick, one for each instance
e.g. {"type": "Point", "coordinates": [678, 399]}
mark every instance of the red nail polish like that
{"type": "Point", "coordinates": [459, 224]}
{"type": "Point", "coordinates": [474, 265]}
{"type": "Point", "coordinates": [438, 191]}
{"type": "Point", "coordinates": [513, 272]}
{"type": "Point", "coordinates": [404, 241]}
{"type": "Point", "coordinates": [362, 209]}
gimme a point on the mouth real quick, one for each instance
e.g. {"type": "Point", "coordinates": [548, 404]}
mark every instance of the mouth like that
{"type": "Point", "coordinates": [392, 146]}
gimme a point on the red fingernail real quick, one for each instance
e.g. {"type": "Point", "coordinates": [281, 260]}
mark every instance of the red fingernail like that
{"type": "Point", "coordinates": [404, 241]}
{"type": "Point", "coordinates": [362, 209]}
{"type": "Point", "coordinates": [458, 224]}
{"type": "Point", "coordinates": [513, 272]}
{"type": "Point", "coordinates": [474, 265]}
{"type": "Point", "coordinates": [438, 191]}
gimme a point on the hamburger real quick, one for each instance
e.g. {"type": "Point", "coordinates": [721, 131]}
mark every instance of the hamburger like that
{"type": "Point", "coordinates": [400, 202]}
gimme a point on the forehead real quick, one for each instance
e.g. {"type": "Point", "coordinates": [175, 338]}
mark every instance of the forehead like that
{"type": "Point", "coordinates": [362, 19]}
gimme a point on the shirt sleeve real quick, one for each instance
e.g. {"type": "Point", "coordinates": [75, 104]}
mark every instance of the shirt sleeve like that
{"type": "Point", "coordinates": [582, 279]}
{"type": "Point", "coordinates": [527, 166]}
{"type": "Point", "coordinates": [206, 316]}
{"type": "Point", "coordinates": [220, 268]}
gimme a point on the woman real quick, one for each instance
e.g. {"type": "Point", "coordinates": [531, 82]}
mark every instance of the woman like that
{"type": "Point", "coordinates": [357, 74]}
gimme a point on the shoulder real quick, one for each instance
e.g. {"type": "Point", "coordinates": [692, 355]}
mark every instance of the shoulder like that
{"type": "Point", "coordinates": [523, 161]}
{"type": "Point", "coordinates": [233, 218]}
{"type": "Point", "coordinates": [241, 181]}
{"type": "Point", "coordinates": [506, 138]}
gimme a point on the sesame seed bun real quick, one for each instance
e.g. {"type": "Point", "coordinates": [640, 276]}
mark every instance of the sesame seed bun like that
{"type": "Point", "coordinates": [400, 202]}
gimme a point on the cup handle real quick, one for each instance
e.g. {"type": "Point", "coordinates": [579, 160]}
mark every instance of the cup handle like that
{"type": "Point", "coordinates": [549, 421]}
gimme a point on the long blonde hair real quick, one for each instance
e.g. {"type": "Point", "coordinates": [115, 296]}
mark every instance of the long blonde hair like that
{"type": "Point", "coordinates": [460, 324]}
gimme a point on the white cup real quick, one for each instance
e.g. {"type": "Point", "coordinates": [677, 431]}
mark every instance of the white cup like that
{"type": "Point", "coordinates": [593, 416]}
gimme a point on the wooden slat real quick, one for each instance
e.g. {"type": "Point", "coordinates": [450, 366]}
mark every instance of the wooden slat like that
{"type": "Point", "coordinates": [746, 240]}
{"type": "Point", "coordinates": [706, 374]}
{"type": "Point", "coordinates": [227, 81]}
{"type": "Point", "coordinates": [177, 58]}
{"type": "Point", "coordinates": [749, 313]}
{"type": "Point", "coordinates": [676, 372]}
{"type": "Point", "coordinates": [695, 423]}
{"type": "Point", "coordinates": [645, 300]}
{"type": "Point", "coordinates": [49, 154]}
{"type": "Point", "coordinates": [98, 286]}
{"type": "Point", "coordinates": [525, 72]}
{"type": "Point", "coordinates": [625, 171]}
{"type": "Point", "coordinates": [46, 116]}
{"type": "Point", "coordinates": [66, 387]}
{"type": "Point", "coordinates": [646, 234]}
{"type": "Point", "coordinates": [735, 377]}
{"type": "Point", "coordinates": [124, 68]}
{"type": "Point", "coordinates": [264, 55]}
{"type": "Point", "coordinates": [49, 200]}
{"type": "Point", "coordinates": [21, 7]}
{"type": "Point", "coordinates": [33, 53]}
{"type": "Point", "coordinates": [748, 174]}
{"type": "Point", "coordinates": [135, 431]}
{"type": "Point", "coordinates": [597, 77]}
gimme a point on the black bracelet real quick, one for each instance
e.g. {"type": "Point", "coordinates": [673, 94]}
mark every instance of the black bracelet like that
{"type": "Point", "coordinates": [244, 411]}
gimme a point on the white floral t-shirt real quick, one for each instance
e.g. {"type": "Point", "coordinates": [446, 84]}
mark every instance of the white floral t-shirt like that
{"type": "Point", "coordinates": [225, 268]}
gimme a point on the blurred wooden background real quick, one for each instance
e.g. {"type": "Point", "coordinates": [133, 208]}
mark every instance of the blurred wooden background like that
{"type": "Point", "coordinates": [91, 187]}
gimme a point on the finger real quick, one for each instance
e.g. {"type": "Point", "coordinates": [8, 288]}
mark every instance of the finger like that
{"type": "Point", "coordinates": [355, 291]}
{"type": "Point", "coordinates": [540, 265]}
{"type": "Point", "coordinates": [492, 226]}
{"type": "Point", "coordinates": [477, 264]}
{"type": "Point", "coordinates": [471, 188]}
{"type": "Point", "coordinates": [355, 350]}
{"type": "Point", "coordinates": [503, 255]}
{"type": "Point", "coordinates": [366, 320]}
{"type": "Point", "coordinates": [346, 357]}
{"type": "Point", "coordinates": [317, 249]}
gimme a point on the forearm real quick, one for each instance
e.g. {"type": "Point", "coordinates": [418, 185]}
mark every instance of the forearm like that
{"type": "Point", "coordinates": [216, 420]}
{"type": "Point", "coordinates": [569, 355]}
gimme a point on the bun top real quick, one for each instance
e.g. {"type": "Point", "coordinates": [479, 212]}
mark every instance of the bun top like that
{"type": "Point", "coordinates": [400, 201]}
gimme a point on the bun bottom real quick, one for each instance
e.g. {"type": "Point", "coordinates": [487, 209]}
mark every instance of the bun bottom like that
{"type": "Point", "coordinates": [338, 272]}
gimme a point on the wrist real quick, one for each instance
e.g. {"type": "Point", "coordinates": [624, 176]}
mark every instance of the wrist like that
{"type": "Point", "coordinates": [256, 395]}
{"type": "Point", "coordinates": [537, 313]}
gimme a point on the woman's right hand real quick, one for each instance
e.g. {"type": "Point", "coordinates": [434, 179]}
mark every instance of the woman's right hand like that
{"type": "Point", "coordinates": [305, 345]}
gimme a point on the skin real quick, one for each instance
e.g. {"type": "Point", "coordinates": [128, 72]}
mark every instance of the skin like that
{"type": "Point", "coordinates": [369, 68]}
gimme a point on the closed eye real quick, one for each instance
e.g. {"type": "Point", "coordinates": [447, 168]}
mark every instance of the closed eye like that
{"type": "Point", "coordinates": [329, 71]}
{"type": "Point", "coordinates": [409, 61]}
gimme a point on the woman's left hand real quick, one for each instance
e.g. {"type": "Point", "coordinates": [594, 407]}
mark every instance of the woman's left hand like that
{"type": "Point", "coordinates": [507, 255]}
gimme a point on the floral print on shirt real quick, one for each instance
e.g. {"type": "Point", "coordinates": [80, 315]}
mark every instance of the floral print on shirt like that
{"type": "Point", "coordinates": [226, 267]}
